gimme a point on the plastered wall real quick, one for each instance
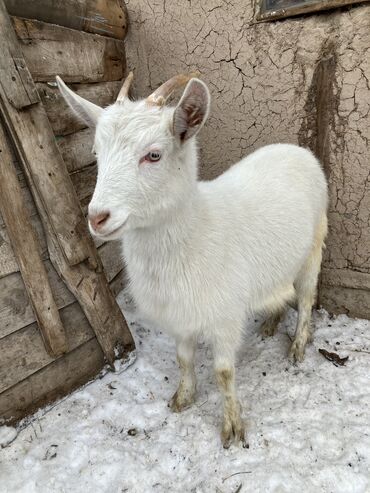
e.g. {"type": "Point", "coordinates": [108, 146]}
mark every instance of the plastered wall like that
{"type": "Point", "coordinates": [304, 80]}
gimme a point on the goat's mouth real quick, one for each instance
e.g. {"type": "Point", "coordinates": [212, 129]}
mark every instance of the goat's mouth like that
{"type": "Point", "coordinates": [114, 234]}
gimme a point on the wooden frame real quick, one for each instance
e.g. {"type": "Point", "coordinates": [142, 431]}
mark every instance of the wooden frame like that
{"type": "Point", "coordinates": [281, 9]}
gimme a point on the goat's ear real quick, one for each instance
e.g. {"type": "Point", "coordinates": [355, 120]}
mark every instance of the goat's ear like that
{"type": "Point", "coordinates": [89, 112]}
{"type": "Point", "coordinates": [192, 110]}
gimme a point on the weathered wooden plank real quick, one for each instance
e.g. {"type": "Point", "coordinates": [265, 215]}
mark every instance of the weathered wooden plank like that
{"type": "Point", "coordinates": [105, 17]}
{"type": "Point", "coordinates": [8, 262]}
{"type": "Point", "coordinates": [26, 250]}
{"type": "Point", "coordinates": [62, 119]}
{"type": "Point", "coordinates": [76, 149]}
{"type": "Point", "coordinates": [92, 291]}
{"type": "Point", "coordinates": [119, 283]}
{"type": "Point", "coordinates": [14, 75]}
{"type": "Point", "coordinates": [51, 50]}
{"type": "Point", "coordinates": [116, 332]}
{"type": "Point", "coordinates": [23, 352]}
{"type": "Point", "coordinates": [83, 182]}
{"type": "Point", "coordinates": [57, 378]}
{"type": "Point", "coordinates": [35, 144]}
{"type": "Point", "coordinates": [51, 382]}
{"type": "Point", "coordinates": [15, 309]}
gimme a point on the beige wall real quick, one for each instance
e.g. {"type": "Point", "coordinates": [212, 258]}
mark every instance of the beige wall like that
{"type": "Point", "coordinates": [303, 80]}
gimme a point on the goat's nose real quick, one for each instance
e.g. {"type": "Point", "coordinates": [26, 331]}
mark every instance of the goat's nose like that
{"type": "Point", "coordinates": [97, 221]}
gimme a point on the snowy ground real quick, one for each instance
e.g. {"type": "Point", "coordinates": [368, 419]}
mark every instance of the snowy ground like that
{"type": "Point", "coordinates": [308, 425]}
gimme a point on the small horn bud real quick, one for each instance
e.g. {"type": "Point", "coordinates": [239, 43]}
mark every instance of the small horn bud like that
{"type": "Point", "coordinates": [160, 95]}
{"type": "Point", "coordinates": [122, 95]}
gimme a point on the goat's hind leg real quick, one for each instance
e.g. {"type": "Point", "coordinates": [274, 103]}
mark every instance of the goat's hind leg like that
{"type": "Point", "coordinates": [185, 394]}
{"type": "Point", "coordinates": [270, 325]}
{"type": "Point", "coordinates": [306, 286]}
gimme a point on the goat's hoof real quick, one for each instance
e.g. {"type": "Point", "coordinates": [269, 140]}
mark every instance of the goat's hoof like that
{"type": "Point", "coordinates": [233, 431]}
{"type": "Point", "coordinates": [267, 329]}
{"type": "Point", "coordinates": [181, 401]}
{"type": "Point", "coordinates": [296, 353]}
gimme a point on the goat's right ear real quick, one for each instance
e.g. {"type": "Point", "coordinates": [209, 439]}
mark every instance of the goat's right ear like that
{"type": "Point", "coordinates": [89, 112]}
{"type": "Point", "coordinates": [192, 110]}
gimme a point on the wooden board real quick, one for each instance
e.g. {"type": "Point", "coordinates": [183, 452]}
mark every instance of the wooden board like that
{"type": "Point", "coordinates": [14, 74]}
{"type": "Point", "coordinates": [56, 379]}
{"type": "Point", "coordinates": [80, 181]}
{"type": "Point", "coordinates": [83, 182]}
{"type": "Point", "coordinates": [28, 255]}
{"type": "Point", "coordinates": [15, 309]}
{"type": "Point", "coordinates": [62, 119]}
{"type": "Point", "coordinates": [75, 56]}
{"type": "Point", "coordinates": [76, 149]}
{"type": "Point", "coordinates": [8, 262]}
{"type": "Point", "coordinates": [51, 382]}
{"type": "Point", "coordinates": [105, 17]}
{"type": "Point", "coordinates": [23, 352]}
{"type": "Point", "coordinates": [35, 144]}
{"type": "Point", "coordinates": [92, 291]}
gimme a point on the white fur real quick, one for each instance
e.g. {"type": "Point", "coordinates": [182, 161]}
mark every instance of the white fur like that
{"type": "Point", "coordinates": [201, 256]}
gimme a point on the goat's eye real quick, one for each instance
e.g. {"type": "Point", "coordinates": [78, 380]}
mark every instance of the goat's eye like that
{"type": "Point", "coordinates": [153, 156]}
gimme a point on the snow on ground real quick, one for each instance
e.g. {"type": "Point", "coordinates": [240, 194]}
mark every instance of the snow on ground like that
{"type": "Point", "coordinates": [308, 425]}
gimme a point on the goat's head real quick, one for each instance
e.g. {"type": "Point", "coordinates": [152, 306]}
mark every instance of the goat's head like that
{"type": "Point", "coordinates": [145, 151]}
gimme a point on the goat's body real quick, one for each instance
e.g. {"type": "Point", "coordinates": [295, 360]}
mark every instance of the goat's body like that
{"type": "Point", "coordinates": [201, 256]}
{"type": "Point", "coordinates": [236, 247]}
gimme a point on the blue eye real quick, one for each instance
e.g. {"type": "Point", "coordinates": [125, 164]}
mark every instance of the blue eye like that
{"type": "Point", "coordinates": [153, 156]}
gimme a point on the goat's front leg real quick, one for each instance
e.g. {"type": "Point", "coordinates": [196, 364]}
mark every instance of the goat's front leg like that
{"type": "Point", "coordinates": [233, 428]}
{"type": "Point", "coordinates": [185, 394]}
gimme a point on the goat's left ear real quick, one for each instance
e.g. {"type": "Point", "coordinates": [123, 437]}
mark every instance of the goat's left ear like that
{"type": "Point", "coordinates": [87, 111]}
{"type": "Point", "coordinates": [192, 110]}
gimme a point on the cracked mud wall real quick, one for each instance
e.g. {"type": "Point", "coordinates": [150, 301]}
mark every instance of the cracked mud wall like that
{"type": "Point", "coordinates": [303, 80]}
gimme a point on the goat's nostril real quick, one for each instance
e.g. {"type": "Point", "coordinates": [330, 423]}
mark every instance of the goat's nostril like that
{"type": "Point", "coordinates": [102, 218]}
{"type": "Point", "coordinates": [98, 220]}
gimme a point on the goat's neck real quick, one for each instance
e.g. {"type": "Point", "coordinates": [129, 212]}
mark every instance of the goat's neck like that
{"type": "Point", "coordinates": [177, 228]}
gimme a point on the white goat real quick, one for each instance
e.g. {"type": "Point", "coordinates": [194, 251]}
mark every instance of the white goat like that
{"type": "Point", "coordinates": [202, 255]}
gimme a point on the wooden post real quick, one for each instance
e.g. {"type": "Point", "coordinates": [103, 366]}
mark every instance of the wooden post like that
{"type": "Point", "coordinates": [26, 250]}
{"type": "Point", "coordinates": [92, 291]}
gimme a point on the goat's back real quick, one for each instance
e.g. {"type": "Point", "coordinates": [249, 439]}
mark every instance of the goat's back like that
{"type": "Point", "coordinates": [269, 206]}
